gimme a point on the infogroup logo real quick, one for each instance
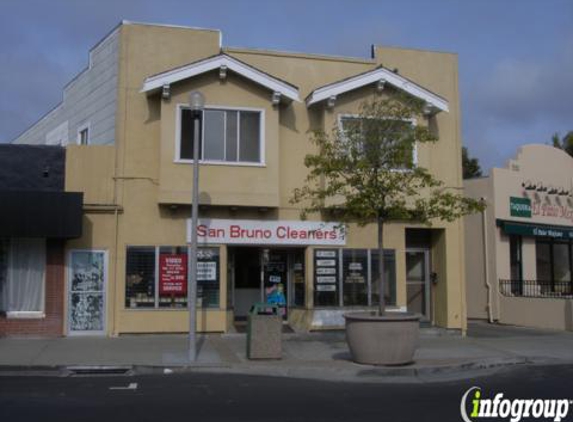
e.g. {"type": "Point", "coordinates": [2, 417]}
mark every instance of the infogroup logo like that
{"type": "Point", "coordinates": [514, 410]}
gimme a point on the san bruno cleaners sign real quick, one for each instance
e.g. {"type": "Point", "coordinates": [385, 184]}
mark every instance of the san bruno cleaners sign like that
{"type": "Point", "coordinates": [262, 232]}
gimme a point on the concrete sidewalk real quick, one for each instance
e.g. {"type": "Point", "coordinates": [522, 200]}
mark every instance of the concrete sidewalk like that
{"type": "Point", "coordinates": [320, 355]}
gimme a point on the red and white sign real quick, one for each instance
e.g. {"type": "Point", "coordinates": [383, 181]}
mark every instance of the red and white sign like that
{"type": "Point", "coordinates": [173, 274]}
{"type": "Point", "coordinates": [262, 232]}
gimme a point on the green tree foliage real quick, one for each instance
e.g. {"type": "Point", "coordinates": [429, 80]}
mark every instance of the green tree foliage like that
{"type": "Point", "coordinates": [470, 166]}
{"type": "Point", "coordinates": [364, 173]}
{"type": "Point", "coordinates": [565, 143]}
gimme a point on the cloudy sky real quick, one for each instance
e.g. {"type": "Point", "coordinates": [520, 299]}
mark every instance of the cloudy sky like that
{"type": "Point", "coordinates": [515, 56]}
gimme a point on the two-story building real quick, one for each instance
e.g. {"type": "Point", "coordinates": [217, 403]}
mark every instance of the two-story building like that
{"type": "Point", "coordinates": [127, 127]}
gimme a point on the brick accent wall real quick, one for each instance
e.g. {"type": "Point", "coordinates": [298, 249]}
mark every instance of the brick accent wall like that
{"type": "Point", "coordinates": [52, 325]}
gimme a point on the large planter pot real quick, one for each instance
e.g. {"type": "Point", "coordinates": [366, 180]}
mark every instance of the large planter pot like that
{"type": "Point", "coordinates": [391, 339]}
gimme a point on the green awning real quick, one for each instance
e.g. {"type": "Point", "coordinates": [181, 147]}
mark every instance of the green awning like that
{"type": "Point", "coordinates": [536, 230]}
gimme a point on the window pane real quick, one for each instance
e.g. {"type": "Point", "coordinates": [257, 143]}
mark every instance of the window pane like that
{"type": "Point", "coordinates": [389, 276]}
{"type": "Point", "coordinates": [355, 277]}
{"type": "Point", "coordinates": [208, 277]}
{"type": "Point", "coordinates": [298, 279]}
{"type": "Point", "coordinates": [231, 145]}
{"type": "Point", "coordinates": [173, 278]}
{"type": "Point", "coordinates": [515, 257]}
{"type": "Point", "coordinates": [140, 277]}
{"type": "Point", "coordinates": [4, 245]}
{"type": "Point", "coordinates": [25, 275]}
{"type": "Point", "coordinates": [543, 259]}
{"type": "Point", "coordinates": [214, 142]}
{"type": "Point", "coordinates": [249, 148]}
{"type": "Point", "coordinates": [186, 135]}
{"type": "Point", "coordinates": [561, 264]}
{"type": "Point", "coordinates": [326, 277]}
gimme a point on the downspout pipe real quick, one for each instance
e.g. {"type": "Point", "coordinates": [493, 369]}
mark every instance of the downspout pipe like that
{"type": "Point", "coordinates": [486, 261]}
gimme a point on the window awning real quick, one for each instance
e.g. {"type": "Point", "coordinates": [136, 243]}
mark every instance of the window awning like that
{"type": "Point", "coordinates": [380, 74]}
{"type": "Point", "coordinates": [226, 62]}
{"type": "Point", "coordinates": [41, 214]}
{"type": "Point", "coordinates": [535, 230]}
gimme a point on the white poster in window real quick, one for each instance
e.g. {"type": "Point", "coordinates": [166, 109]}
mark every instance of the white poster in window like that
{"type": "Point", "coordinates": [325, 279]}
{"type": "Point", "coordinates": [326, 288]}
{"type": "Point", "coordinates": [207, 271]}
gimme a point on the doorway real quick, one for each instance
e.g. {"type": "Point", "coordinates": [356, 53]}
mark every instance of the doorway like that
{"type": "Point", "coordinates": [87, 281]}
{"type": "Point", "coordinates": [268, 275]}
{"type": "Point", "coordinates": [418, 282]}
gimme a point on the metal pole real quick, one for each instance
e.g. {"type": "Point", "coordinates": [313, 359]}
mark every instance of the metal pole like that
{"type": "Point", "coordinates": [192, 258]}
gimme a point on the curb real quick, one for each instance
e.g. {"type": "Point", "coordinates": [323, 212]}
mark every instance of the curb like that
{"type": "Point", "coordinates": [355, 373]}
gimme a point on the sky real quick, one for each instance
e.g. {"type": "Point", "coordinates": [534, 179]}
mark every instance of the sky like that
{"type": "Point", "coordinates": [515, 56]}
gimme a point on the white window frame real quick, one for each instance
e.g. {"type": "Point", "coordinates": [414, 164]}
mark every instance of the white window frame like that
{"type": "Point", "coordinates": [179, 160]}
{"type": "Point", "coordinates": [412, 121]}
{"type": "Point", "coordinates": [81, 128]}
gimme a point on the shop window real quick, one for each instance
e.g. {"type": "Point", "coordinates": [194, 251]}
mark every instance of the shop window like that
{"type": "Point", "coordinates": [231, 136]}
{"type": "Point", "coordinates": [389, 276]}
{"type": "Point", "coordinates": [355, 277]}
{"type": "Point", "coordinates": [400, 155]}
{"type": "Point", "coordinates": [140, 277]}
{"type": "Point", "coordinates": [298, 280]}
{"type": "Point", "coordinates": [156, 277]}
{"type": "Point", "coordinates": [554, 265]}
{"type": "Point", "coordinates": [516, 263]}
{"type": "Point", "coordinates": [22, 271]}
{"type": "Point", "coordinates": [326, 276]}
{"type": "Point", "coordinates": [358, 276]}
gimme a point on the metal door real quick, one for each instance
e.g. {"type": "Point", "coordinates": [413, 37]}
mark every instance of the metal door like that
{"type": "Point", "coordinates": [418, 282]}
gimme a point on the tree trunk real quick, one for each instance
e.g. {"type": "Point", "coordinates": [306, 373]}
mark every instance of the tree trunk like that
{"type": "Point", "coordinates": [381, 281]}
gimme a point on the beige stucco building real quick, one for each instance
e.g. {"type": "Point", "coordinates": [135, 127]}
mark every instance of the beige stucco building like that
{"type": "Point", "coordinates": [126, 274]}
{"type": "Point", "coordinates": [519, 253]}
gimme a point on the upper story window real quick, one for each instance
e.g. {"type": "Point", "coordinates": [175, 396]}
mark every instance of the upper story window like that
{"type": "Point", "coordinates": [229, 136]}
{"type": "Point", "coordinates": [84, 135]}
{"type": "Point", "coordinates": [400, 155]}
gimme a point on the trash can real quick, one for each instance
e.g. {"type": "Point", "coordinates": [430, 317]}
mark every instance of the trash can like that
{"type": "Point", "coordinates": [264, 328]}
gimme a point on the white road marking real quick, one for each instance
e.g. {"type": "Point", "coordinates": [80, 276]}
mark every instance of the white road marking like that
{"type": "Point", "coordinates": [131, 386]}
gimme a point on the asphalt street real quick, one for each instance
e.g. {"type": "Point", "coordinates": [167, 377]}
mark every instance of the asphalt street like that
{"type": "Point", "coordinates": [210, 397]}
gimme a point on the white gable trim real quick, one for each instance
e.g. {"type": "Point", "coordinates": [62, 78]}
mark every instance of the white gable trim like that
{"type": "Point", "coordinates": [156, 82]}
{"type": "Point", "coordinates": [379, 74]}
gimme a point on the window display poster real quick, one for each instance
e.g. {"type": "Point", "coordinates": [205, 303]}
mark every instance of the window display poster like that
{"type": "Point", "coordinates": [326, 269]}
{"type": "Point", "coordinates": [173, 274]}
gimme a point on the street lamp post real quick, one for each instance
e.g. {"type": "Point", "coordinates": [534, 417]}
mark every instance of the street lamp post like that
{"type": "Point", "coordinates": [196, 102]}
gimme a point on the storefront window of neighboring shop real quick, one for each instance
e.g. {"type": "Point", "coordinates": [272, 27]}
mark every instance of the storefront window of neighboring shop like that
{"type": "Point", "coordinates": [554, 263]}
{"type": "Point", "coordinates": [156, 277]}
{"type": "Point", "coordinates": [355, 272]}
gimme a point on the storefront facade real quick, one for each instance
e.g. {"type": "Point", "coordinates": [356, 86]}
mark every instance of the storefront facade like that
{"type": "Point", "coordinates": [521, 247]}
{"type": "Point", "coordinates": [253, 245]}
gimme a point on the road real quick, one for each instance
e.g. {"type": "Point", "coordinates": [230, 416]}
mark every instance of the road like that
{"type": "Point", "coordinates": [210, 397]}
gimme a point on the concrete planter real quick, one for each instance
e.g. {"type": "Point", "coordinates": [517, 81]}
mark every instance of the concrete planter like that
{"type": "Point", "coordinates": [391, 339]}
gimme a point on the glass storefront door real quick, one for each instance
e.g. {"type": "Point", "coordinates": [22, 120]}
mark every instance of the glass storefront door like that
{"type": "Point", "coordinates": [86, 292]}
{"type": "Point", "coordinates": [418, 282]}
{"type": "Point", "coordinates": [270, 275]}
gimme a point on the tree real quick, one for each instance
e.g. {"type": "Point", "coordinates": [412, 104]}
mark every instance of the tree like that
{"type": "Point", "coordinates": [470, 166]}
{"type": "Point", "coordinates": [565, 143]}
{"type": "Point", "coordinates": [364, 173]}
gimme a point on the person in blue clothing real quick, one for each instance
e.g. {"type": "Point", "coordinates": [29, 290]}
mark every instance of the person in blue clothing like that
{"type": "Point", "coordinates": [276, 296]}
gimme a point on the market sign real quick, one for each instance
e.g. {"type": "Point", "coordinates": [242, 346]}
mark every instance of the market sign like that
{"type": "Point", "coordinates": [264, 232]}
{"type": "Point", "coordinates": [520, 207]}
{"type": "Point", "coordinates": [536, 230]}
{"type": "Point", "coordinates": [173, 274]}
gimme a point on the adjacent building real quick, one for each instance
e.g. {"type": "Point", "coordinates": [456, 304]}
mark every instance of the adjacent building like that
{"type": "Point", "coordinates": [519, 251]}
{"type": "Point", "coordinates": [127, 128]}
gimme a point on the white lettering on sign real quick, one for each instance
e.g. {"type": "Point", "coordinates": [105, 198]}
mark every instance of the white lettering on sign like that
{"type": "Point", "coordinates": [221, 231]}
{"type": "Point", "coordinates": [326, 288]}
{"type": "Point", "coordinates": [325, 279]}
{"type": "Point", "coordinates": [325, 254]}
{"type": "Point", "coordinates": [325, 271]}
{"type": "Point", "coordinates": [325, 262]}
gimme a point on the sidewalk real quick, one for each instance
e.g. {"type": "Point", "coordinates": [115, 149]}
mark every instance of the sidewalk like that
{"type": "Point", "coordinates": [319, 355]}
